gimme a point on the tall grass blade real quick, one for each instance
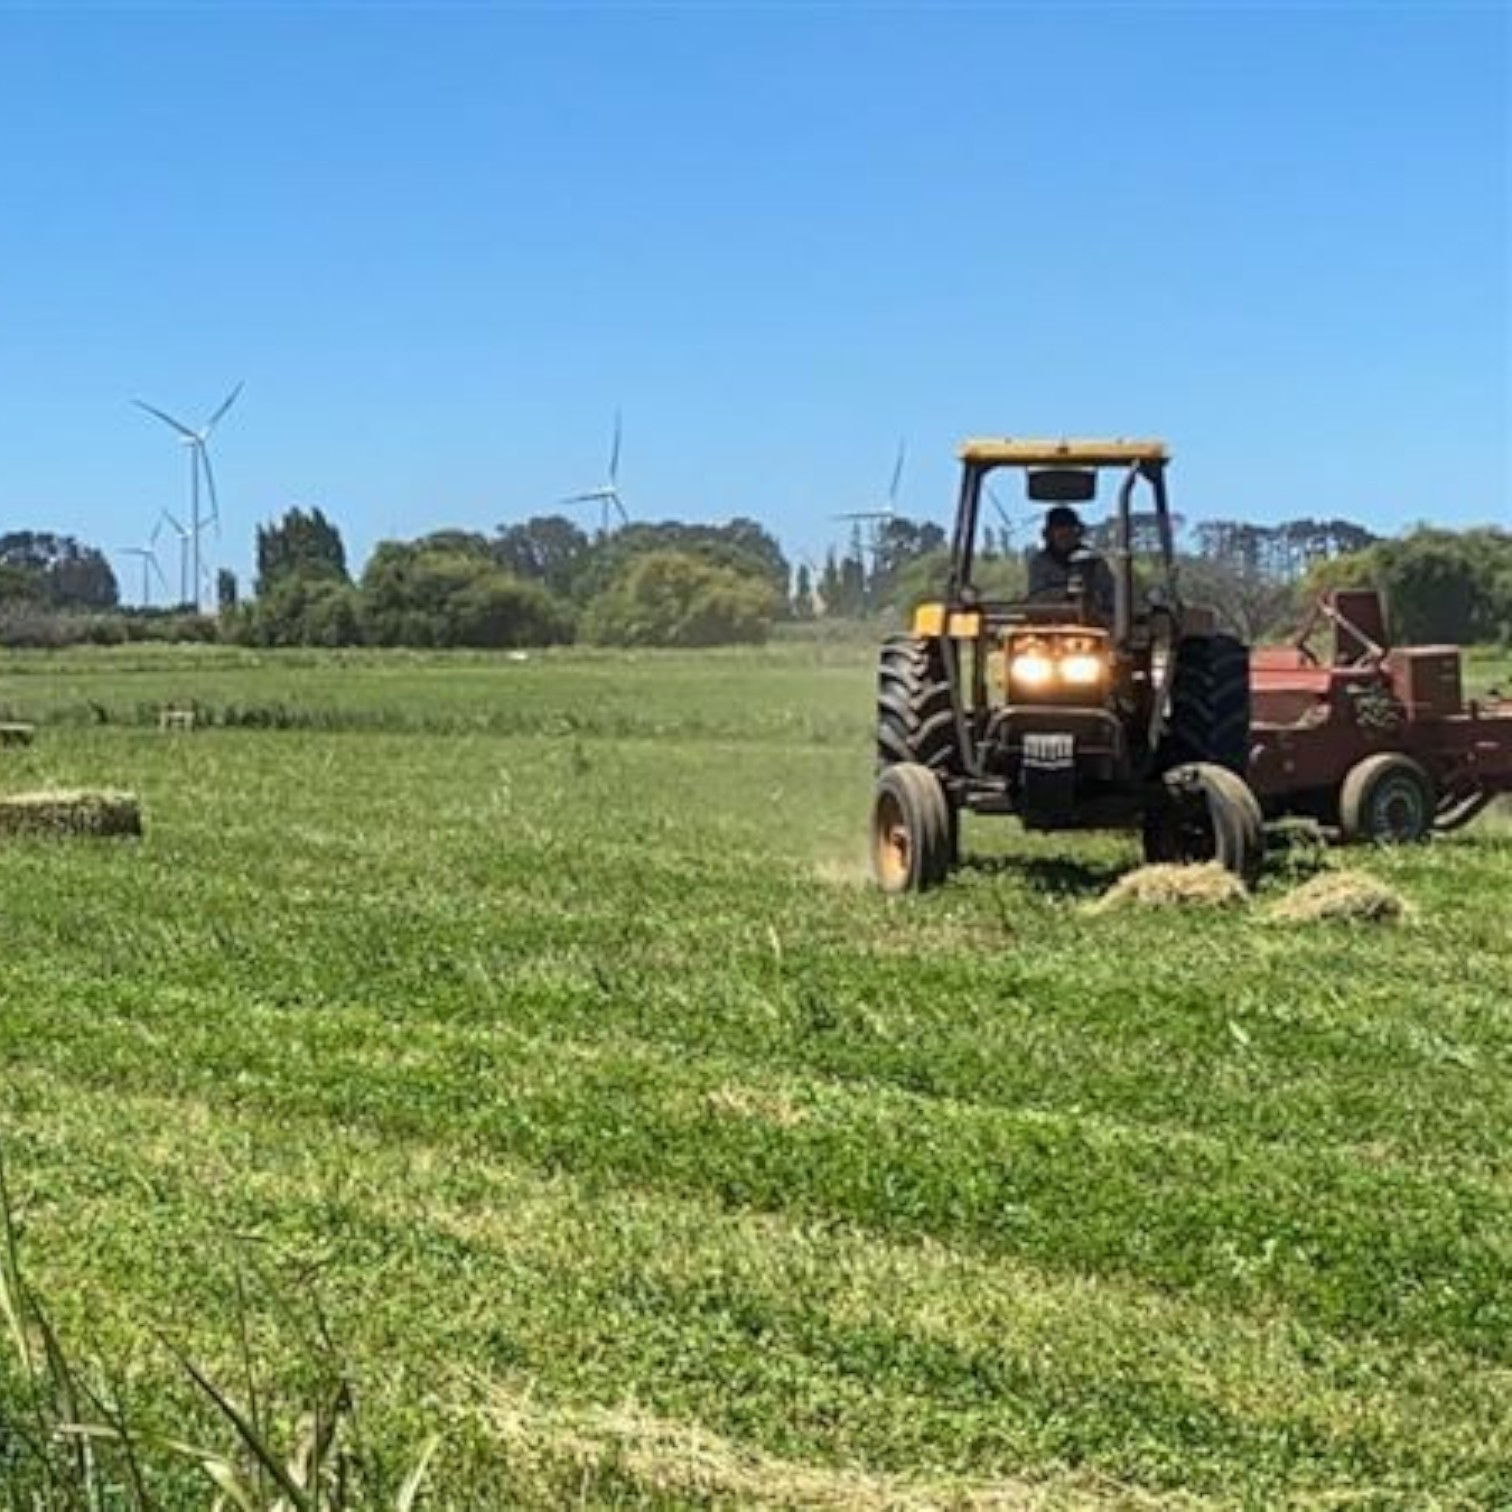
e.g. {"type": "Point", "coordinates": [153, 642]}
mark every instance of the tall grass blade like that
{"type": "Point", "coordinates": [409, 1492]}
{"type": "Point", "coordinates": [249, 1436]}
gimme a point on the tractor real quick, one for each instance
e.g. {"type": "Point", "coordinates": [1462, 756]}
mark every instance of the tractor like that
{"type": "Point", "coordinates": [1070, 709]}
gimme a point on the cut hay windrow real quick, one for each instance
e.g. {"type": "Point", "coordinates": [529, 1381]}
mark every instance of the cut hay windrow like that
{"type": "Point", "coordinates": [70, 812]}
{"type": "Point", "coordinates": [1165, 885]}
{"type": "Point", "coordinates": [1353, 896]}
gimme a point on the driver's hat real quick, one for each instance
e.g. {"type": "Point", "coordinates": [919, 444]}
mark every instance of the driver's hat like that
{"type": "Point", "coordinates": [1062, 514]}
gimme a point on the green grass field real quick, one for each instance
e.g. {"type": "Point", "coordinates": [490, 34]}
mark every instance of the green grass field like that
{"type": "Point", "coordinates": [524, 1038]}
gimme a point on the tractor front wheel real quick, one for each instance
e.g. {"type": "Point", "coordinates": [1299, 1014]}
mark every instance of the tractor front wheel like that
{"type": "Point", "coordinates": [1204, 812]}
{"type": "Point", "coordinates": [911, 831]}
{"type": "Point", "coordinates": [1387, 799]}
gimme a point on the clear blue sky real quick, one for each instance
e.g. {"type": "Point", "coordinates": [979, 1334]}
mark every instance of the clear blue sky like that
{"type": "Point", "coordinates": [442, 243]}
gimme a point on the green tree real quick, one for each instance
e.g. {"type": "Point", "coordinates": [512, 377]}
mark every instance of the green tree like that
{"type": "Point", "coordinates": [803, 594]}
{"type": "Point", "coordinates": [299, 610]}
{"type": "Point", "coordinates": [304, 542]}
{"type": "Point", "coordinates": [741, 545]}
{"type": "Point", "coordinates": [899, 542]}
{"type": "Point", "coordinates": [547, 549]}
{"type": "Point", "coordinates": [412, 595]}
{"type": "Point", "coordinates": [57, 571]}
{"type": "Point", "coordinates": [1439, 585]}
{"type": "Point", "coordinates": [676, 598]}
{"type": "Point", "coordinates": [926, 577]}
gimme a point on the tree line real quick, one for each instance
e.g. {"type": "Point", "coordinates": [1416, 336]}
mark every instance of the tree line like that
{"type": "Point", "coordinates": [546, 581]}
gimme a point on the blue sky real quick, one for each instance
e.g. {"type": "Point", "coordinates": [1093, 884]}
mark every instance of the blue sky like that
{"type": "Point", "coordinates": [442, 243]}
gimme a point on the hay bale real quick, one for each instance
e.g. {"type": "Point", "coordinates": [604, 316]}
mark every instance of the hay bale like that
{"type": "Point", "coordinates": [57, 812]}
{"type": "Point", "coordinates": [1353, 896]}
{"type": "Point", "coordinates": [1166, 886]}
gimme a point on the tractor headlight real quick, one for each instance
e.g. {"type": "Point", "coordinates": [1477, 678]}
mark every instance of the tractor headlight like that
{"type": "Point", "coordinates": [1080, 670]}
{"type": "Point", "coordinates": [1032, 669]}
{"type": "Point", "coordinates": [1057, 667]}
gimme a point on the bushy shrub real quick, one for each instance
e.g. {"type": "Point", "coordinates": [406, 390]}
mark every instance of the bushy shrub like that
{"type": "Point", "coordinates": [429, 597]}
{"type": "Point", "coordinates": [297, 610]}
{"type": "Point", "coordinates": [672, 598]}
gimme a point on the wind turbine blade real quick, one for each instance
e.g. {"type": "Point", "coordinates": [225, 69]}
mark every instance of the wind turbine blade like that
{"type": "Point", "coordinates": [215, 419]}
{"type": "Point", "coordinates": [892, 492]}
{"type": "Point", "coordinates": [614, 450]}
{"type": "Point", "coordinates": [173, 522]}
{"type": "Point", "coordinates": [619, 504]}
{"type": "Point", "coordinates": [204, 456]}
{"type": "Point", "coordinates": [167, 419]}
{"type": "Point", "coordinates": [591, 497]}
{"type": "Point", "coordinates": [997, 504]}
{"type": "Point", "coordinates": [152, 557]}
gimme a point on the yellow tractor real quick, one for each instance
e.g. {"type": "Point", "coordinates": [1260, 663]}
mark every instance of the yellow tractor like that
{"type": "Point", "coordinates": [1100, 701]}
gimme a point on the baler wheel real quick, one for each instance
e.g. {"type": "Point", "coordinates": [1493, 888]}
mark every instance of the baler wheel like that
{"type": "Point", "coordinates": [1387, 799]}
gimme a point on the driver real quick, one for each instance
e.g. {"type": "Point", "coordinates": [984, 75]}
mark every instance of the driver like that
{"type": "Point", "coordinates": [1063, 556]}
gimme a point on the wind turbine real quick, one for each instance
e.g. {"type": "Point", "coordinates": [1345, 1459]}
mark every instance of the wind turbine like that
{"type": "Point", "coordinates": [607, 495]}
{"type": "Point", "coordinates": [150, 564]}
{"type": "Point", "coordinates": [166, 518]}
{"type": "Point", "coordinates": [199, 461]}
{"type": "Point", "coordinates": [880, 515]}
{"type": "Point", "coordinates": [888, 508]}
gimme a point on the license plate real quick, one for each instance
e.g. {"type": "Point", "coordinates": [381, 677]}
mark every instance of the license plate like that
{"type": "Point", "coordinates": [1050, 753]}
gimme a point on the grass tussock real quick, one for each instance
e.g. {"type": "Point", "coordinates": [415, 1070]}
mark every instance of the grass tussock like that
{"type": "Point", "coordinates": [70, 812]}
{"type": "Point", "coordinates": [1351, 896]}
{"type": "Point", "coordinates": [1170, 886]}
{"type": "Point", "coordinates": [628, 1454]}
{"type": "Point", "coordinates": [734, 1101]}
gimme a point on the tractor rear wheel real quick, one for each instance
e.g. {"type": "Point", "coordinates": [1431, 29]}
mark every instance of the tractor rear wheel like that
{"type": "Point", "coordinates": [1387, 799]}
{"type": "Point", "coordinates": [911, 830]}
{"type": "Point", "coordinates": [1210, 704]}
{"type": "Point", "coordinates": [915, 716]}
{"type": "Point", "coordinates": [1205, 812]}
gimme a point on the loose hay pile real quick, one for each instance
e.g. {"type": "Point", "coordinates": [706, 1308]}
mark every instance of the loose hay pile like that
{"type": "Point", "coordinates": [70, 813]}
{"type": "Point", "coordinates": [1165, 886]}
{"type": "Point", "coordinates": [1349, 895]}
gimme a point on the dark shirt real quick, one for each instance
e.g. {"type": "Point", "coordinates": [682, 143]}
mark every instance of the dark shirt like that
{"type": "Point", "coordinates": [1050, 577]}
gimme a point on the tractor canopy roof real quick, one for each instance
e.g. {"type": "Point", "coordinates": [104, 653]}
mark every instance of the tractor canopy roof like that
{"type": "Point", "coordinates": [1080, 452]}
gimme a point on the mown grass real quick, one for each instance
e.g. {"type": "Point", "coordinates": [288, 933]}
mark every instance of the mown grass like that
{"type": "Point", "coordinates": [562, 1070]}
